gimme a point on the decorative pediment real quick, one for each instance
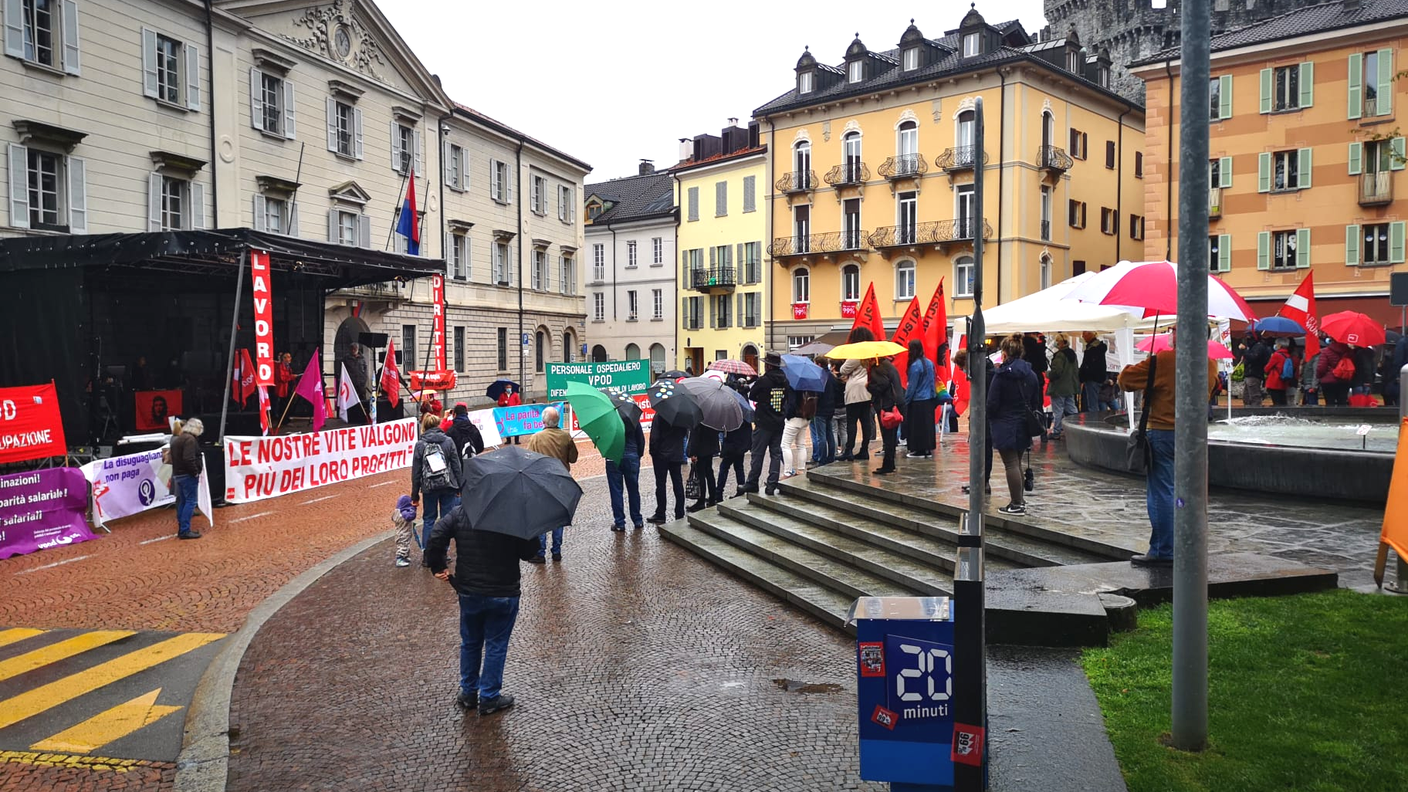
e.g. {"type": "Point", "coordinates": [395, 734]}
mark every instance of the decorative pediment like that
{"type": "Point", "coordinates": [504, 235]}
{"type": "Point", "coordinates": [40, 132]}
{"type": "Point", "coordinates": [350, 192]}
{"type": "Point", "coordinates": [334, 32]}
{"type": "Point", "coordinates": [907, 115]}
{"type": "Point", "coordinates": [459, 226]}
{"type": "Point", "coordinates": [851, 126]}
{"type": "Point", "coordinates": [802, 135]}
{"type": "Point", "coordinates": [966, 104]}
{"type": "Point", "coordinates": [171, 161]}
{"type": "Point", "coordinates": [268, 60]}
{"type": "Point", "coordinates": [274, 184]}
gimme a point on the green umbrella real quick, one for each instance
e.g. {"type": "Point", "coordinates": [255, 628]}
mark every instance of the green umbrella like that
{"type": "Point", "coordinates": [597, 416]}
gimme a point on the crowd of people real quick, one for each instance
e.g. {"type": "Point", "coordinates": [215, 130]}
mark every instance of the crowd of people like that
{"type": "Point", "coordinates": [1338, 375]}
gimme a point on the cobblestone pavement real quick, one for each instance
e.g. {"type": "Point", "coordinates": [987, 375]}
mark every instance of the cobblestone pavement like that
{"type": "Point", "coordinates": [637, 666]}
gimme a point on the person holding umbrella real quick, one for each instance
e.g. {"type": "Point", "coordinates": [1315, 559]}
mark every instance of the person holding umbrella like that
{"type": "Point", "coordinates": [883, 382]}
{"type": "Point", "coordinates": [667, 457]}
{"type": "Point", "coordinates": [769, 394]}
{"type": "Point", "coordinates": [625, 475]}
{"type": "Point", "coordinates": [860, 418]}
{"type": "Point", "coordinates": [553, 442]}
{"type": "Point", "coordinates": [737, 442]}
{"type": "Point", "coordinates": [510, 497]}
{"type": "Point", "coordinates": [703, 447]}
{"type": "Point", "coordinates": [508, 397]}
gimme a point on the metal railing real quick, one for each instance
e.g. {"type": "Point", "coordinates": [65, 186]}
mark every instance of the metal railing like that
{"type": "Point", "coordinates": [854, 172]}
{"type": "Point", "coordinates": [854, 239]}
{"type": "Point", "coordinates": [1376, 188]}
{"type": "Point", "coordinates": [1214, 203]}
{"type": "Point", "coordinates": [706, 278]}
{"type": "Point", "coordinates": [931, 233]}
{"type": "Point", "coordinates": [1053, 158]}
{"type": "Point", "coordinates": [796, 181]}
{"type": "Point", "coordinates": [903, 166]}
{"type": "Point", "coordinates": [959, 158]}
{"type": "Point", "coordinates": [393, 290]}
{"type": "Point", "coordinates": [805, 245]}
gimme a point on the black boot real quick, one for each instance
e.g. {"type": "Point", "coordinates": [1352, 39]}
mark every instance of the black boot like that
{"type": "Point", "coordinates": [697, 506]}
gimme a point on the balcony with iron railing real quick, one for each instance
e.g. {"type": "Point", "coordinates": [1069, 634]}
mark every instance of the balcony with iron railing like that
{"type": "Point", "coordinates": [796, 182]}
{"type": "Point", "coordinates": [1053, 158]}
{"type": "Point", "coordinates": [903, 166]}
{"type": "Point", "coordinates": [1376, 189]}
{"type": "Point", "coordinates": [959, 158]}
{"type": "Point", "coordinates": [709, 279]}
{"type": "Point", "coordinates": [853, 172]}
{"type": "Point", "coordinates": [809, 244]}
{"type": "Point", "coordinates": [386, 290]}
{"type": "Point", "coordinates": [935, 232]}
{"type": "Point", "coordinates": [1214, 203]}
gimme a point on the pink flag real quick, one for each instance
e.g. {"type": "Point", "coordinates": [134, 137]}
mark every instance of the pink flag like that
{"type": "Point", "coordinates": [310, 387]}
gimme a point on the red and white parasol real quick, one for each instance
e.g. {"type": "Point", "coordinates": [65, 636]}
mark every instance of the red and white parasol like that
{"type": "Point", "coordinates": [1153, 286]}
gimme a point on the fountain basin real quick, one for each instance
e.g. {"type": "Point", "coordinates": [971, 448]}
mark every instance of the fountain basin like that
{"type": "Point", "coordinates": [1308, 452]}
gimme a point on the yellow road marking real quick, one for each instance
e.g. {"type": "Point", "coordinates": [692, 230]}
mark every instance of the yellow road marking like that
{"type": "Point", "coordinates": [107, 726]}
{"type": "Point", "coordinates": [81, 762]}
{"type": "Point", "coordinates": [55, 652]}
{"type": "Point", "coordinates": [45, 697]}
{"type": "Point", "coordinates": [8, 637]}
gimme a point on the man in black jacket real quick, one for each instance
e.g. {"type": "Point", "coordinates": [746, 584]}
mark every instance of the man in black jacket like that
{"type": "Point", "coordinates": [1254, 372]}
{"type": "Point", "coordinates": [465, 435]}
{"type": "Point", "coordinates": [1093, 375]}
{"type": "Point", "coordinates": [768, 395]}
{"type": "Point", "coordinates": [667, 457]}
{"type": "Point", "coordinates": [487, 581]}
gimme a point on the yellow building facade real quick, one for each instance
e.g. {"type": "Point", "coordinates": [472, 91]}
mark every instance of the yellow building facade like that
{"type": "Point", "coordinates": [873, 167]}
{"type": "Point", "coordinates": [721, 189]}
{"type": "Point", "coordinates": [1305, 155]}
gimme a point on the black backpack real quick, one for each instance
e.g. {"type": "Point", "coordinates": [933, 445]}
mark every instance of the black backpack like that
{"type": "Point", "coordinates": [435, 472]}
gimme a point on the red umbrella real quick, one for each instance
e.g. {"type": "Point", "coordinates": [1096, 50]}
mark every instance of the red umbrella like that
{"type": "Point", "coordinates": [1352, 327]}
{"type": "Point", "coordinates": [1153, 286]}
{"type": "Point", "coordinates": [1155, 344]}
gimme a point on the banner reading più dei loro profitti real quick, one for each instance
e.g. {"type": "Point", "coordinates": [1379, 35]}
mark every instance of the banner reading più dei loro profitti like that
{"type": "Point", "coordinates": [267, 467]}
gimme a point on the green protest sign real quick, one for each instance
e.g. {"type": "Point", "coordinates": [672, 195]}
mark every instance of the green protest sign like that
{"type": "Point", "coordinates": [623, 376]}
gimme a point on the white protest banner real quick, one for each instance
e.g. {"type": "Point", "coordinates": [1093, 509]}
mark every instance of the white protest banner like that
{"type": "Point", "coordinates": [266, 467]}
{"type": "Point", "coordinates": [126, 485]}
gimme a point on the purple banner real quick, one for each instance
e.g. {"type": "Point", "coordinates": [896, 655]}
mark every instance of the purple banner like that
{"type": "Point", "coordinates": [42, 509]}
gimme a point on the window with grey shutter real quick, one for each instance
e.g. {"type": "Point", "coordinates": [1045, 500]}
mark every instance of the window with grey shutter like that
{"type": "Point", "coordinates": [720, 199]}
{"type": "Point", "coordinates": [19, 186]}
{"type": "Point", "coordinates": [193, 78]}
{"type": "Point", "coordinates": [750, 189]}
{"type": "Point", "coordinates": [693, 203]}
{"type": "Point", "coordinates": [77, 196]}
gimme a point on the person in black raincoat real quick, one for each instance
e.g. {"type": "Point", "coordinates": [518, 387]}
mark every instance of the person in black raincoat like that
{"type": "Point", "coordinates": [1013, 392]}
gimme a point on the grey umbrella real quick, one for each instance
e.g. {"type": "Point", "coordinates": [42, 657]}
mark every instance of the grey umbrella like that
{"type": "Point", "coordinates": [517, 492]}
{"type": "Point", "coordinates": [717, 402]}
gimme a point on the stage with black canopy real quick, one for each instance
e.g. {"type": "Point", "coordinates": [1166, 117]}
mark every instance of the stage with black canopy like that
{"type": "Point", "coordinates": [81, 310]}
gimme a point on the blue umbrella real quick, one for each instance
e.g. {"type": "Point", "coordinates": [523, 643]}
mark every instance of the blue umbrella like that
{"type": "Point", "coordinates": [748, 411]}
{"type": "Point", "coordinates": [1278, 326]}
{"type": "Point", "coordinates": [802, 374]}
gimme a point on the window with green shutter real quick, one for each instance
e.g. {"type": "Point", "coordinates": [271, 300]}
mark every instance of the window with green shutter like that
{"type": "Point", "coordinates": [1398, 154]}
{"type": "Point", "coordinates": [1356, 159]}
{"type": "Point", "coordinates": [1224, 96]}
{"type": "Point", "coordinates": [1304, 169]}
{"type": "Point", "coordinates": [1351, 246]}
{"type": "Point", "coordinates": [1225, 172]}
{"type": "Point", "coordinates": [1307, 84]}
{"type": "Point", "coordinates": [1356, 85]}
{"type": "Point", "coordinates": [1395, 241]}
{"type": "Point", "coordinates": [1302, 249]}
{"type": "Point", "coordinates": [1384, 87]}
{"type": "Point", "coordinates": [1263, 172]}
{"type": "Point", "coordinates": [1263, 250]}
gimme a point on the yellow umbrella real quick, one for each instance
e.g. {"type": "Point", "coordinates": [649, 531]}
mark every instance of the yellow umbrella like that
{"type": "Point", "coordinates": [865, 350]}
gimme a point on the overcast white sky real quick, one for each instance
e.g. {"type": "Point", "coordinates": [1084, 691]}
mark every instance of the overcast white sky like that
{"type": "Point", "coordinates": [612, 83]}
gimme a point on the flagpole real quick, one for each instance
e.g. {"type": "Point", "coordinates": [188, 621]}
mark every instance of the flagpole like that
{"type": "Point", "coordinates": [396, 213]}
{"type": "Point", "coordinates": [234, 326]}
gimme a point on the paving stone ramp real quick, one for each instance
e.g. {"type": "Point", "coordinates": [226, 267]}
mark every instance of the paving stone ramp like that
{"type": "Point", "coordinates": [828, 539]}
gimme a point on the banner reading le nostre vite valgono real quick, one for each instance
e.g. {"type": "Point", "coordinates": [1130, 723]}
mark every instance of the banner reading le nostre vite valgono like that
{"type": "Point", "coordinates": [267, 467]}
{"type": "Point", "coordinates": [622, 376]}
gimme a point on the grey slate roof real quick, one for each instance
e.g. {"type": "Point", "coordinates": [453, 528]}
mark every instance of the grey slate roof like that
{"type": "Point", "coordinates": [950, 62]}
{"type": "Point", "coordinates": [1301, 22]}
{"type": "Point", "coordinates": [634, 197]}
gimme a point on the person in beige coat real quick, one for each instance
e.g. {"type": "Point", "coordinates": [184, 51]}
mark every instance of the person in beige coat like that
{"type": "Point", "coordinates": [554, 442]}
{"type": "Point", "coordinates": [858, 408]}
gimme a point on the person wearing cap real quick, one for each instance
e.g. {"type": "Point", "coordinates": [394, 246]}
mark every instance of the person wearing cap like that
{"type": "Point", "coordinates": [552, 441]}
{"type": "Point", "coordinates": [468, 441]}
{"type": "Point", "coordinates": [768, 394]}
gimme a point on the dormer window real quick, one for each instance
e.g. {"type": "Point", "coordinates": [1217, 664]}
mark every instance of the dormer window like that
{"type": "Point", "coordinates": [1102, 76]}
{"type": "Point", "coordinates": [855, 71]}
{"type": "Point", "coordinates": [911, 59]}
{"type": "Point", "coordinates": [972, 44]}
{"type": "Point", "coordinates": [804, 82]}
{"type": "Point", "coordinates": [1073, 62]}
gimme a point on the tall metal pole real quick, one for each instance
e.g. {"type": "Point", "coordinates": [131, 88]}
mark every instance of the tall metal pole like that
{"type": "Point", "coordinates": [230, 359]}
{"type": "Point", "coordinates": [970, 703]}
{"type": "Point", "coordinates": [1190, 470]}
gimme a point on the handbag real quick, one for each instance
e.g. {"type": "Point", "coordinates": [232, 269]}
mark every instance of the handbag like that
{"type": "Point", "coordinates": [891, 418]}
{"type": "Point", "coordinates": [693, 489]}
{"type": "Point", "coordinates": [1138, 454]}
{"type": "Point", "coordinates": [1035, 420]}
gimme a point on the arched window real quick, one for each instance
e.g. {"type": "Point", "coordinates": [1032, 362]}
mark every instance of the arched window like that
{"type": "Point", "coordinates": [657, 358]}
{"type": "Point", "coordinates": [850, 152]}
{"type": "Point", "coordinates": [540, 349]}
{"type": "Point", "coordinates": [963, 276]}
{"type": "Point", "coordinates": [907, 148]}
{"type": "Point", "coordinates": [632, 352]}
{"type": "Point", "coordinates": [568, 344]}
{"type": "Point", "coordinates": [1046, 267]}
{"type": "Point", "coordinates": [1048, 130]}
{"type": "Point", "coordinates": [802, 285]}
{"type": "Point", "coordinates": [850, 283]}
{"type": "Point", "coordinates": [598, 354]}
{"type": "Point", "coordinates": [750, 355]}
{"type": "Point", "coordinates": [904, 279]}
{"type": "Point", "coordinates": [802, 164]}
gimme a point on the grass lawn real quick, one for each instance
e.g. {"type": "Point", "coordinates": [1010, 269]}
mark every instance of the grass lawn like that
{"type": "Point", "coordinates": [1305, 693]}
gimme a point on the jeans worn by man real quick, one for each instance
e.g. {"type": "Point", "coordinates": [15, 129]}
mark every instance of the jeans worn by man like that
{"type": "Point", "coordinates": [1090, 395]}
{"type": "Point", "coordinates": [624, 475]}
{"type": "Point", "coordinates": [486, 580]}
{"type": "Point", "coordinates": [187, 493]}
{"type": "Point", "coordinates": [1253, 392]}
{"type": "Point", "coordinates": [1159, 496]}
{"type": "Point", "coordinates": [766, 443]}
{"type": "Point", "coordinates": [1061, 406]}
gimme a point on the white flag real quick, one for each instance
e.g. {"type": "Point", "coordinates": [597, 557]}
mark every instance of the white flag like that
{"type": "Point", "coordinates": [346, 395]}
{"type": "Point", "coordinates": [203, 498]}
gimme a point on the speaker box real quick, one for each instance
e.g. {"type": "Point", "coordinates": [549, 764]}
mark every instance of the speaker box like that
{"type": "Point", "coordinates": [373, 340]}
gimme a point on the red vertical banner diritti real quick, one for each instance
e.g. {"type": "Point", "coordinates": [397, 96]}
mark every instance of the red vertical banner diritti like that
{"type": "Point", "coordinates": [263, 291]}
{"type": "Point", "coordinates": [437, 332]}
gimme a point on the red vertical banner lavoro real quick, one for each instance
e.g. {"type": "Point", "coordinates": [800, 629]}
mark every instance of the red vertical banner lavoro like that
{"type": "Point", "coordinates": [263, 318]}
{"type": "Point", "coordinates": [437, 332]}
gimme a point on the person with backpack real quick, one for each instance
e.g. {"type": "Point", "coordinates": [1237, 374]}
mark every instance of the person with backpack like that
{"type": "Point", "coordinates": [799, 411]}
{"type": "Point", "coordinates": [435, 471]}
{"type": "Point", "coordinates": [921, 399]}
{"type": "Point", "coordinates": [768, 395]}
{"type": "Point", "coordinates": [1280, 375]}
{"type": "Point", "coordinates": [468, 441]}
{"type": "Point", "coordinates": [1335, 372]}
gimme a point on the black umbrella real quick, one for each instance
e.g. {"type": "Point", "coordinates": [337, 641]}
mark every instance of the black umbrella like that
{"type": "Point", "coordinates": [675, 405]}
{"type": "Point", "coordinates": [625, 405]}
{"type": "Point", "coordinates": [496, 388]}
{"type": "Point", "coordinates": [519, 493]}
{"type": "Point", "coordinates": [672, 375]}
{"type": "Point", "coordinates": [717, 402]}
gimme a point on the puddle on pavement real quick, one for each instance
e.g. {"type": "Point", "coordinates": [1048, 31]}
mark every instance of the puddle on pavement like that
{"type": "Point", "coordinates": [797, 686]}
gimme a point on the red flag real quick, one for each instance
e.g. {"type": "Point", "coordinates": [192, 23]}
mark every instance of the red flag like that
{"type": "Point", "coordinates": [310, 387]}
{"type": "Point", "coordinates": [910, 327]}
{"type": "Point", "coordinates": [868, 314]}
{"type": "Point", "coordinates": [391, 376]}
{"type": "Point", "coordinates": [244, 378]}
{"type": "Point", "coordinates": [263, 409]}
{"type": "Point", "coordinates": [1301, 308]}
{"type": "Point", "coordinates": [936, 327]}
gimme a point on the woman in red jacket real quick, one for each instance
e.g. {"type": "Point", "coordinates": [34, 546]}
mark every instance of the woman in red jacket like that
{"type": "Point", "coordinates": [510, 398]}
{"type": "Point", "coordinates": [1278, 379]}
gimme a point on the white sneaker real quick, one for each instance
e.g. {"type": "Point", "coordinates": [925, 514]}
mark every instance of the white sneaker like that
{"type": "Point", "coordinates": [403, 562]}
{"type": "Point", "coordinates": [915, 455]}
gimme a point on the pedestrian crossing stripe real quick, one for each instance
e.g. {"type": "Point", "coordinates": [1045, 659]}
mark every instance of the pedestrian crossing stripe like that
{"type": "Point", "coordinates": [100, 729]}
{"type": "Point", "coordinates": [81, 762]}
